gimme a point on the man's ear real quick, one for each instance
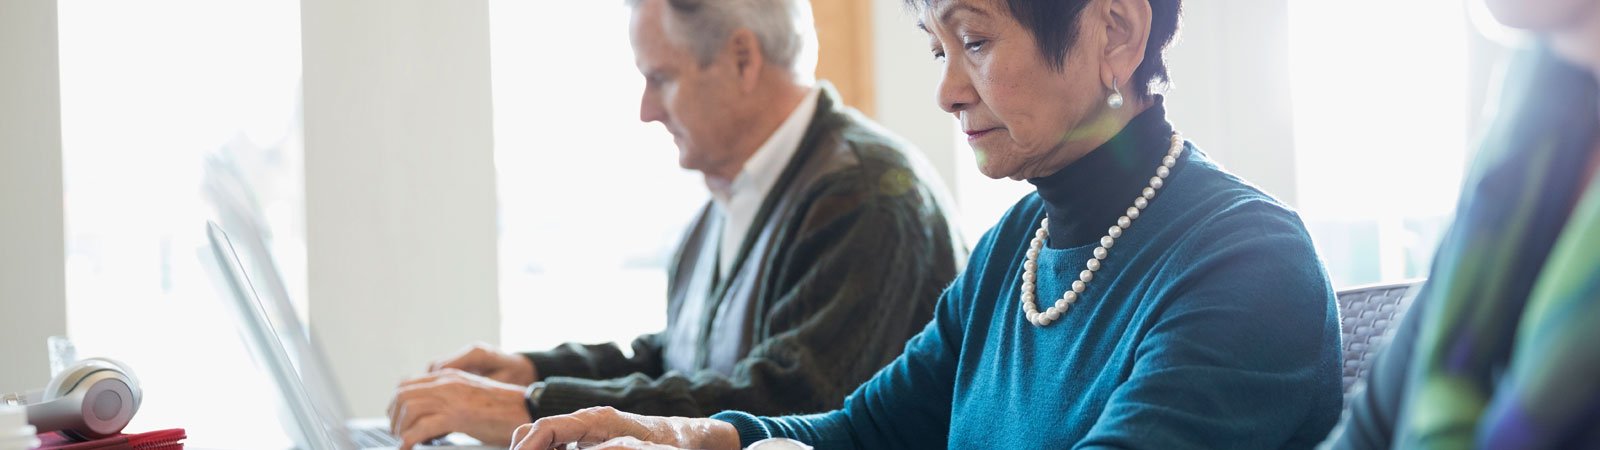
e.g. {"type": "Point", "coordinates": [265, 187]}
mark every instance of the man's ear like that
{"type": "Point", "coordinates": [748, 62]}
{"type": "Point", "coordinates": [1127, 34]}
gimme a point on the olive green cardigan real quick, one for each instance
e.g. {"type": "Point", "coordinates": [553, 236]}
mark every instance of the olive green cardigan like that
{"type": "Point", "coordinates": [844, 262]}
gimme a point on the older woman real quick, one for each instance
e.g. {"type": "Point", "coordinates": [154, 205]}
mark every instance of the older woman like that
{"type": "Point", "coordinates": [1500, 350]}
{"type": "Point", "coordinates": [1142, 297]}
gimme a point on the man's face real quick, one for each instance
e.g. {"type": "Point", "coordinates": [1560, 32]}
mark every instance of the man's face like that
{"type": "Point", "coordinates": [697, 104]}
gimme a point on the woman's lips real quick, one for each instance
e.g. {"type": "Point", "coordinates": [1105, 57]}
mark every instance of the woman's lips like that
{"type": "Point", "coordinates": [973, 135]}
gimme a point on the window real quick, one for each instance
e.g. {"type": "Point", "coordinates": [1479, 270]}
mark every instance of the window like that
{"type": "Point", "coordinates": [592, 202]}
{"type": "Point", "coordinates": [1381, 139]}
{"type": "Point", "coordinates": [161, 100]}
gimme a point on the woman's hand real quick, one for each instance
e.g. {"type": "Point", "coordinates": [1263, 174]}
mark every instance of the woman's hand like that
{"type": "Point", "coordinates": [606, 425]}
{"type": "Point", "coordinates": [625, 443]}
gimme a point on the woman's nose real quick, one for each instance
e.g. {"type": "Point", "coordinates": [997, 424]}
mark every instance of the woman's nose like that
{"type": "Point", "coordinates": [955, 90]}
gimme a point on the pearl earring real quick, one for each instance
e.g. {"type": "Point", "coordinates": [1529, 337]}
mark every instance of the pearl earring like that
{"type": "Point", "coordinates": [1115, 99]}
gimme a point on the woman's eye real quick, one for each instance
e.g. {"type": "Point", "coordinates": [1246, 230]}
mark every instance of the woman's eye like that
{"type": "Point", "coordinates": [975, 45]}
{"type": "Point", "coordinates": [938, 55]}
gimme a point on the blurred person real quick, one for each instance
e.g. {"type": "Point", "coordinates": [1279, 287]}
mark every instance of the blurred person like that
{"type": "Point", "coordinates": [823, 248]}
{"type": "Point", "coordinates": [1141, 297]}
{"type": "Point", "coordinates": [1498, 350]}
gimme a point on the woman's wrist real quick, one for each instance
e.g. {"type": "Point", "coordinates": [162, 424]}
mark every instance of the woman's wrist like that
{"type": "Point", "coordinates": [717, 435]}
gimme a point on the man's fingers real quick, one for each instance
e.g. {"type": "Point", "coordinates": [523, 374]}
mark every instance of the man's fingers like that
{"type": "Point", "coordinates": [393, 405]}
{"type": "Point", "coordinates": [429, 377]}
{"type": "Point", "coordinates": [443, 374]}
{"type": "Point", "coordinates": [396, 406]}
{"type": "Point", "coordinates": [439, 363]}
{"type": "Point", "coordinates": [393, 408]}
{"type": "Point", "coordinates": [469, 359]}
{"type": "Point", "coordinates": [401, 396]}
{"type": "Point", "coordinates": [407, 399]}
{"type": "Point", "coordinates": [424, 429]}
{"type": "Point", "coordinates": [413, 413]}
{"type": "Point", "coordinates": [464, 361]}
{"type": "Point", "coordinates": [458, 362]}
{"type": "Point", "coordinates": [433, 380]}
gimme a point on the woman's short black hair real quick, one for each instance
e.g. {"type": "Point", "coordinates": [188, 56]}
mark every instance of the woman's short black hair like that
{"type": "Point", "coordinates": [1054, 24]}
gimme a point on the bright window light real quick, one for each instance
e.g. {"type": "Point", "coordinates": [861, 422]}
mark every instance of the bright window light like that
{"type": "Point", "coordinates": [592, 202]}
{"type": "Point", "coordinates": [1380, 113]}
{"type": "Point", "coordinates": [155, 95]}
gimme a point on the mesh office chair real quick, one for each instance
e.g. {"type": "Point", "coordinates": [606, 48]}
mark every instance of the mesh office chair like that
{"type": "Point", "coordinates": [1367, 317]}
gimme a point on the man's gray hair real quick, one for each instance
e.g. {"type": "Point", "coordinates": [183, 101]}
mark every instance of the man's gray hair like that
{"type": "Point", "coordinates": [784, 28]}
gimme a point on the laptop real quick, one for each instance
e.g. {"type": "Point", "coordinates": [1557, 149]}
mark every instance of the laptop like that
{"type": "Point", "coordinates": [279, 343]}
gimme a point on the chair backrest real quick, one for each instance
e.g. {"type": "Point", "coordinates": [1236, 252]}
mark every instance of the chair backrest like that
{"type": "Point", "coordinates": [1367, 317]}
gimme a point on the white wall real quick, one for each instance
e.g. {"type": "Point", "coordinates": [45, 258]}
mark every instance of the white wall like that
{"type": "Point", "coordinates": [32, 257]}
{"type": "Point", "coordinates": [1230, 95]}
{"type": "Point", "coordinates": [400, 200]}
{"type": "Point", "coordinates": [907, 77]}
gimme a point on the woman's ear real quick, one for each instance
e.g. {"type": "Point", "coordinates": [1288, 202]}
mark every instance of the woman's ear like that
{"type": "Point", "coordinates": [1127, 33]}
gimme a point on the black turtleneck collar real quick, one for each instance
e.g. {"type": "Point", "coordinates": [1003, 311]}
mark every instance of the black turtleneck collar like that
{"type": "Point", "coordinates": [1086, 197]}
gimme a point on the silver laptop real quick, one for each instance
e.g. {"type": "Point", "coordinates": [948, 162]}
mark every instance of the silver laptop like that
{"type": "Point", "coordinates": [280, 344]}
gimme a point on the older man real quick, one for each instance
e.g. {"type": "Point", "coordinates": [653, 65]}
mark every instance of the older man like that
{"type": "Point", "coordinates": [823, 248]}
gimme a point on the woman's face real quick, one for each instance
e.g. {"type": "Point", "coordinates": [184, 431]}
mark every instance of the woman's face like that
{"type": "Point", "coordinates": [1573, 26]}
{"type": "Point", "coordinates": [1540, 15]}
{"type": "Point", "coordinates": [1023, 118]}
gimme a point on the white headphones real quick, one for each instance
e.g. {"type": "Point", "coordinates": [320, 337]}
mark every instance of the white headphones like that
{"type": "Point", "coordinates": [90, 399]}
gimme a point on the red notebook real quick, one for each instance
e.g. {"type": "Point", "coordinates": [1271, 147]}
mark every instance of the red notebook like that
{"type": "Point", "coordinates": [152, 440]}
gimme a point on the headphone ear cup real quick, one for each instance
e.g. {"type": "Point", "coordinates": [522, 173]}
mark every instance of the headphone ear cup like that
{"type": "Point", "coordinates": [128, 377]}
{"type": "Point", "coordinates": [91, 399]}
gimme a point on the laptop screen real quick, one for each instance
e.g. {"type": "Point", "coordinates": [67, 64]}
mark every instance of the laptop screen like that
{"type": "Point", "coordinates": [285, 355]}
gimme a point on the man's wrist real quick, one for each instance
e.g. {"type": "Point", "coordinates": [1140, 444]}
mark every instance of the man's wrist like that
{"type": "Point", "coordinates": [530, 398]}
{"type": "Point", "coordinates": [532, 369]}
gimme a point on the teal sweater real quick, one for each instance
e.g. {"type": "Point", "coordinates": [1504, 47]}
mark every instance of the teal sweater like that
{"type": "Point", "coordinates": [1211, 325]}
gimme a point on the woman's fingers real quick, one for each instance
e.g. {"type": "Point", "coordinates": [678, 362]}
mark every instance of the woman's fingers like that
{"type": "Point", "coordinates": [586, 426]}
{"type": "Point", "coordinates": [547, 433]}
{"type": "Point", "coordinates": [619, 430]}
{"type": "Point", "coordinates": [520, 433]}
{"type": "Point", "coordinates": [630, 443]}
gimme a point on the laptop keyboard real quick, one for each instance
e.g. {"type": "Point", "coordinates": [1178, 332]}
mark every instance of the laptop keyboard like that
{"type": "Point", "coordinates": [373, 437]}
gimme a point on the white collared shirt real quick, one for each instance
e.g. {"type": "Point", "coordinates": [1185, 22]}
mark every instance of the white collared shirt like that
{"type": "Point", "coordinates": [741, 201]}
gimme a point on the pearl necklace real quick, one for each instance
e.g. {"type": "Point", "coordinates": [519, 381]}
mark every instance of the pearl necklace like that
{"type": "Point", "coordinates": [1031, 263]}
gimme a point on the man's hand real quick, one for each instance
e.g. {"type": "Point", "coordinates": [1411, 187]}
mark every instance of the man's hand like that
{"type": "Point", "coordinates": [620, 430]}
{"type": "Point", "coordinates": [452, 400]}
{"type": "Point", "coordinates": [482, 359]}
